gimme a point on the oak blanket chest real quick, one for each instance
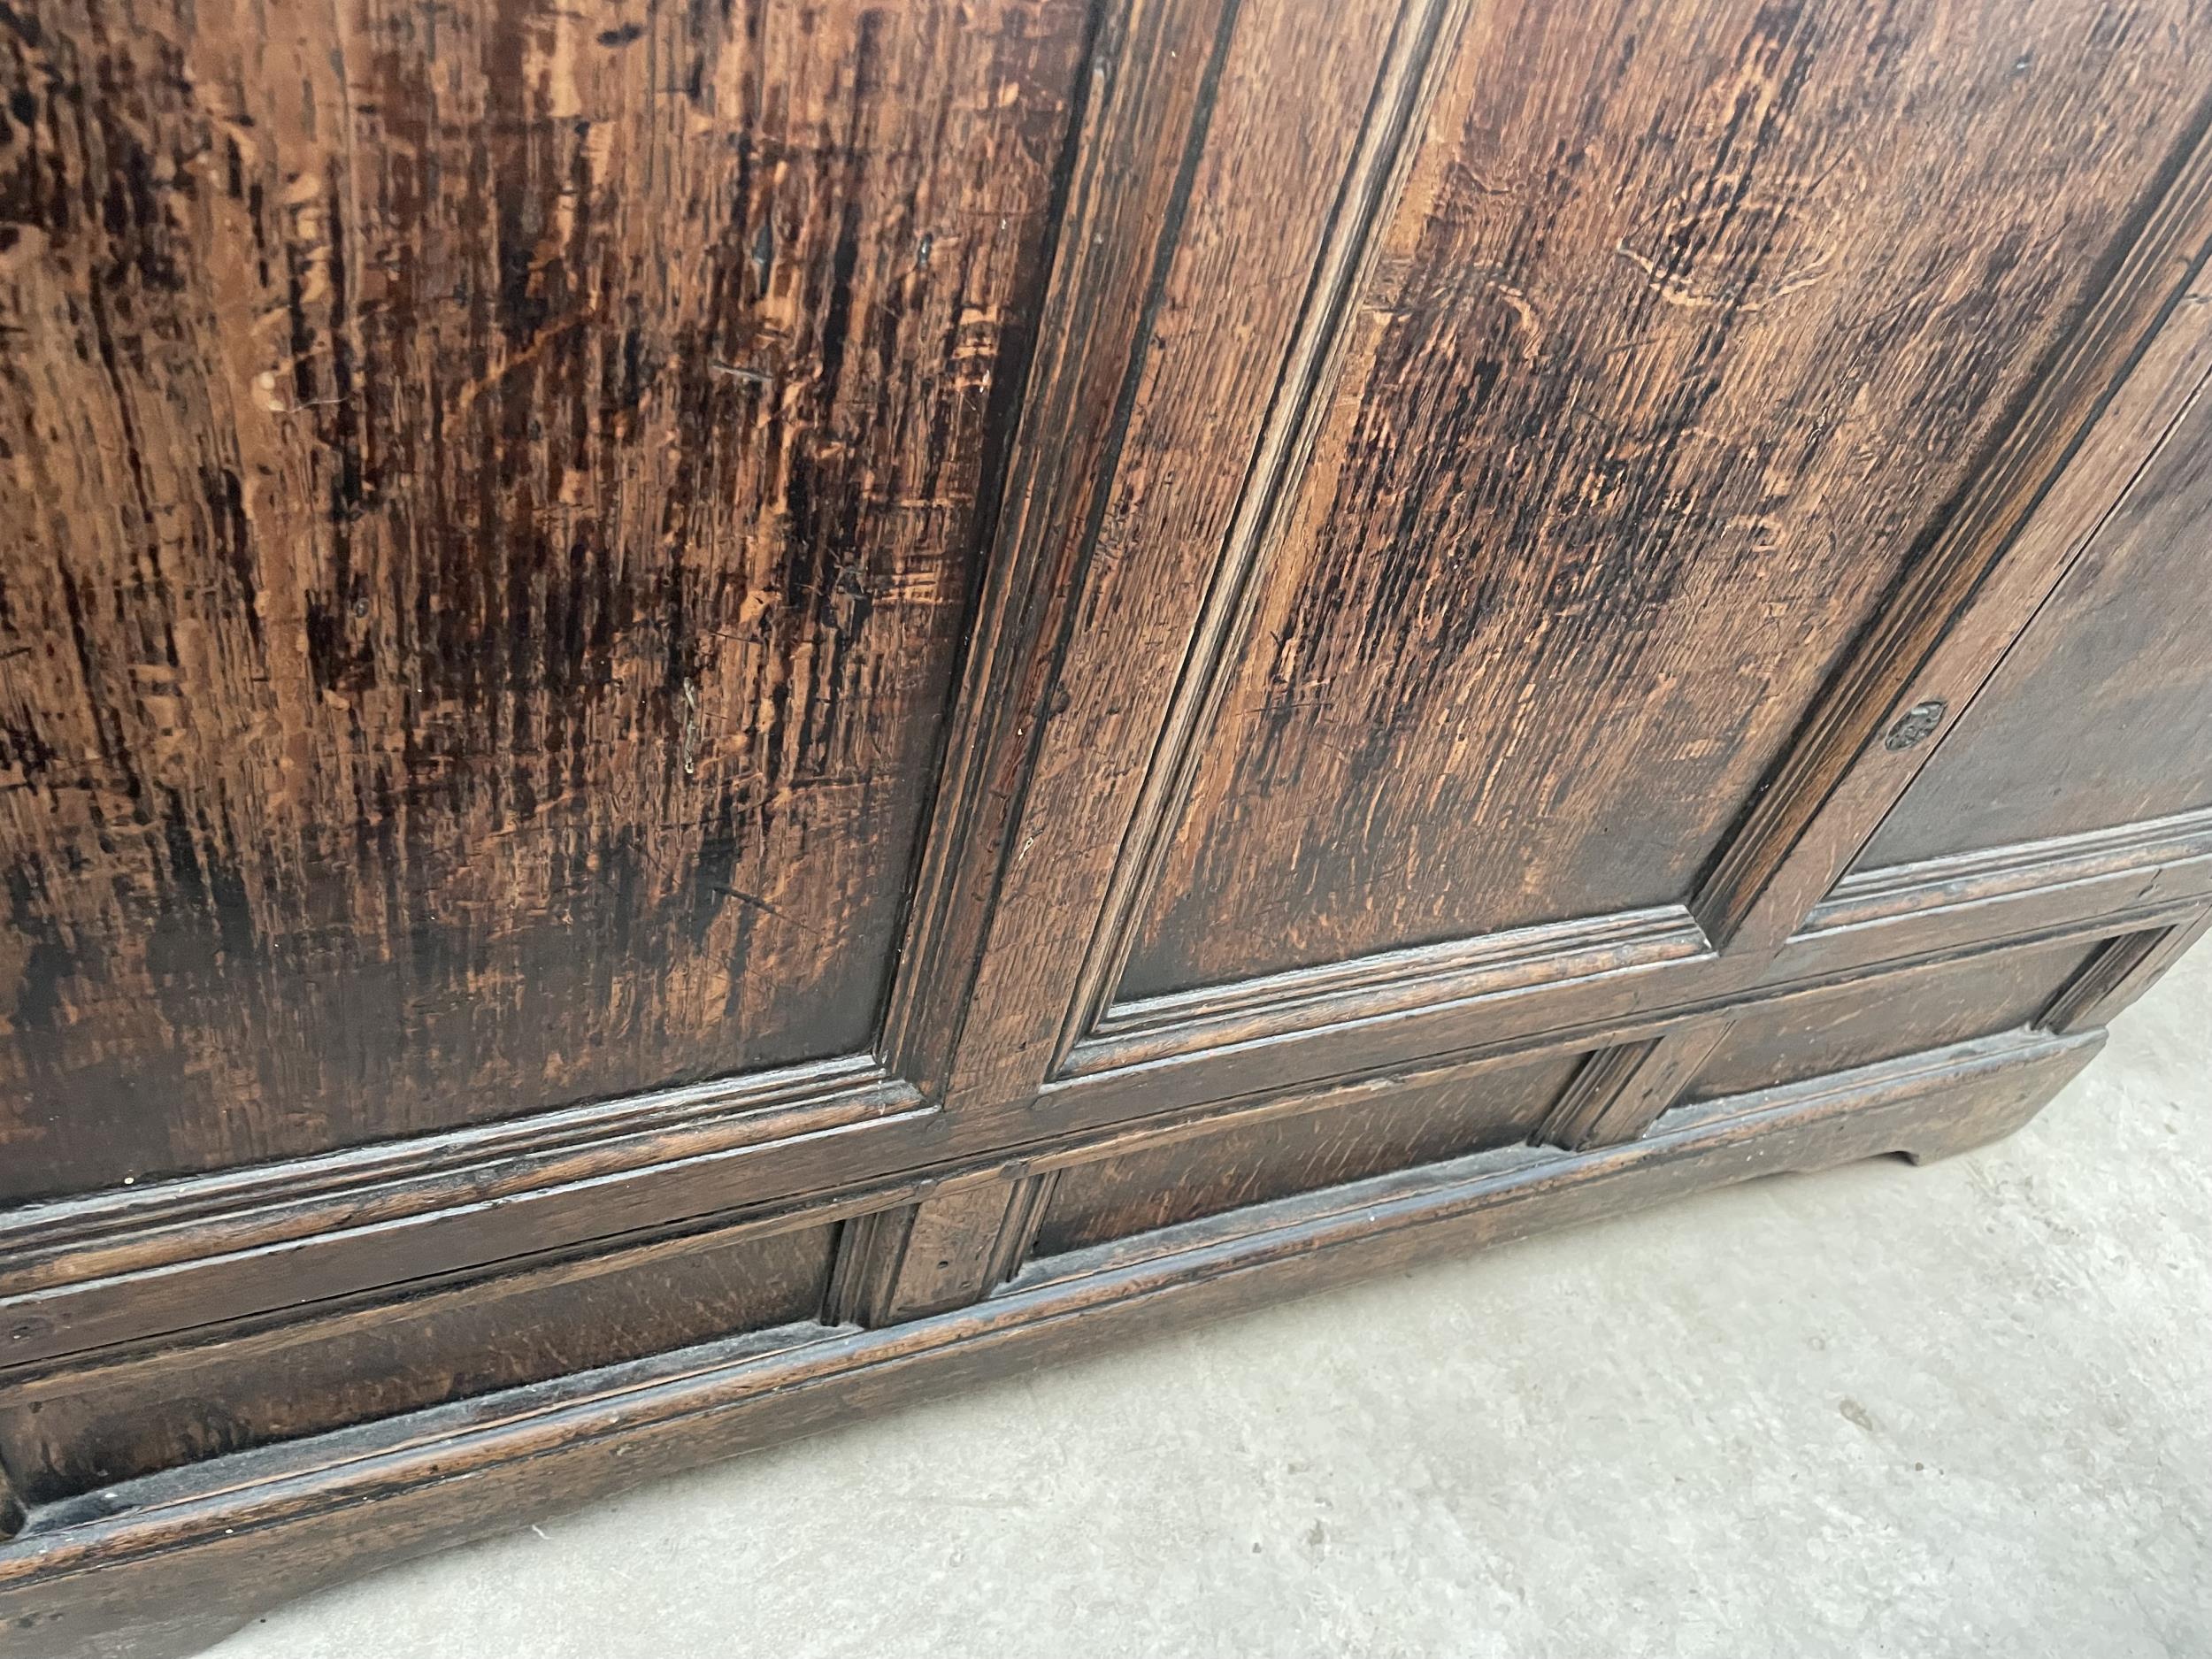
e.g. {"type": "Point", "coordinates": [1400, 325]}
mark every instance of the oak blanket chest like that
{"type": "Point", "coordinates": [712, 714]}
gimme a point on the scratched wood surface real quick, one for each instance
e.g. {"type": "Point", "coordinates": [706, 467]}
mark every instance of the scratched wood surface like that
{"type": "Point", "coordinates": [2083, 725]}
{"type": "Point", "coordinates": [491, 492]}
{"type": "Point", "coordinates": [1816, 1031]}
{"type": "Point", "coordinates": [517, 517]}
{"type": "Point", "coordinates": [1174, 381]}
{"type": "Point", "coordinates": [1421, 1123]}
{"type": "Point", "coordinates": [1695, 315]}
{"type": "Point", "coordinates": [72, 1429]}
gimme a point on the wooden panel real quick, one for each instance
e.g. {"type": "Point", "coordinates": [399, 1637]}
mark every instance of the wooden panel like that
{"type": "Point", "coordinates": [2119, 973]}
{"type": "Point", "coordinates": [2102, 404]}
{"type": "Point", "coordinates": [1694, 319]}
{"type": "Point", "coordinates": [1813, 1033]}
{"type": "Point", "coordinates": [70, 1430]}
{"type": "Point", "coordinates": [923, 1258]}
{"type": "Point", "coordinates": [1136, 1191]}
{"type": "Point", "coordinates": [81, 1274]}
{"type": "Point", "coordinates": [2080, 728]}
{"type": "Point", "coordinates": [1184, 352]}
{"type": "Point", "coordinates": [1619, 1091]}
{"type": "Point", "coordinates": [496, 492]}
{"type": "Point", "coordinates": [2103, 401]}
{"type": "Point", "coordinates": [186, 1558]}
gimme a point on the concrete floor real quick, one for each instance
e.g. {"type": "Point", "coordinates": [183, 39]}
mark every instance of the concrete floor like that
{"type": "Point", "coordinates": [1962, 1409]}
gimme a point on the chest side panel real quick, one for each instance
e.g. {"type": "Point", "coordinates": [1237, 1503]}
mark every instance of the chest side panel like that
{"type": "Point", "coordinates": [499, 492]}
{"type": "Point", "coordinates": [2100, 715]}
{"type": "Point", "coordinates": [1690, 324]}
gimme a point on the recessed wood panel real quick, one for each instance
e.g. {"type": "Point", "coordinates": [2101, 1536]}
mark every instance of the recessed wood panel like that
{"type": "Point", "coordinates": [492, 494]}
{"type": "Point", "coordinates": [1135, 1192]}
{"type": "Point", "coordinates": [1692, 319]}
{"type": "Point", "coordinates": [2080, 727]}
{"type": "Point", "coordinates": [1795, 1037]}
{"type": "Point", "coordinates": [70, 1431]}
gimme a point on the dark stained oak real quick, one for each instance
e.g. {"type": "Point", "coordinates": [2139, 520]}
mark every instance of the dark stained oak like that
{"type": "Point", "coordinates": [2080, 728]}
{"type": "Point", "coordinates": [712, 717]}
{"type": "Point", "coordinates": [1694, 320]}
{"type": "Point", "coordinates": [1251, 259]}
{"type": "Point", "coordinates": [191, 1556]}
{"type": "Point", "coordinates": [492, 494]}
{"type": "Point", "coordinates": [1793, 1038]}
{"type": "Point", "coordinates": [72, 1429]}
{"type": "Point", "coordinates": [1618, 1091]}
{"type": "Point", "coordinates": [1971, 549]}
{"type": "Point", "coordinates": [1276, 1157]}
{"type": "Point", "coordinates": [2121, 971]}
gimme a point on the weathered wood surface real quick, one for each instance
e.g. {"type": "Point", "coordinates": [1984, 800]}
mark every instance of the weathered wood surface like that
{"type": "Point", "coordinates": [2080, 728]}
{"type": "Point", "coordinates": [71, 1429]}
{"type": "Point", "coordinates": [1695, 319]}
{"type": "Point", "coordinates": [491, 495]}
{"type": "Point", "coordinates": [1158, 1185]}
{"type": "Point", "coordinates": [196, 1552]}
{"type": "Point", "coordinates": [1792, 1038]}
{"type": "Point", "coordinates": [1142, 642]}
{"type": "Point", "coordinates": [1184, 379]}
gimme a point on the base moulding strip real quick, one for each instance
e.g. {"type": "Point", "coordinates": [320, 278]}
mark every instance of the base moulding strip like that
{"type": "Point", "coordinates": [170, 1562]}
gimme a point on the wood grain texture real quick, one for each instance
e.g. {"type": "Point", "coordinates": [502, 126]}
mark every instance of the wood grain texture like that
{"type": "Point", "coordinates": [272, 1203]}
{"type": "Point", "coordinates": [70, 1430]}
{"type": "Point", "coordinates": [708, 717]}
{"type": "Point", "coordinates": [1153, 79]}
{"type": "Point", "coordinates": [493, 496]}
{"type": "Point", "coordinates": [2152, 851]}
{"type": "Point", "coordinates": [125, 1279]}
{"type": "Point", "coordinates": [2110, 392]}
{"type": "Point", "coordinates": [2119, 973]}
{"type": "Point", "coordinates": [922, 1258]}
{"type": "Point", "coordinates": [2145, 875]}
{"type": "Point", "coordinates": [1813, 1033]}
{"type": "Point", "coordinates": [154, 1257]}
{"type": "Point", "coordinates": [1237, 315]}
{"type": "Point", "coordinates": [1309, 1000]}
{"type": "Point", "coordinates": [2079, 729]}
{"type": "Point", "coordinates": [1695, 319]}
{"type": "Point", "coordinates": [194, 1554]}
{"type": "Point", "coordinates": [1608, 1009]}
{"type": "Point", "coordinates": [2119, 393]}
{"type": "Point", "coordinates": [1140, 1190]}
{"type": "Point", "coordinates": [1619, 1091]}
{"type": "Point", "coordinates": [130, 1278]}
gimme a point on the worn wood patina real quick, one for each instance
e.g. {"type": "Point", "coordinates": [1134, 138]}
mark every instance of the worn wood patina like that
{"type": "Point", "coordinates": [714, 716]}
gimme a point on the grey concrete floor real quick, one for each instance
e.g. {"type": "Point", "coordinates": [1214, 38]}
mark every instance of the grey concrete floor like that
{"type": "Point", "coordinates": [1960, 1409]}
